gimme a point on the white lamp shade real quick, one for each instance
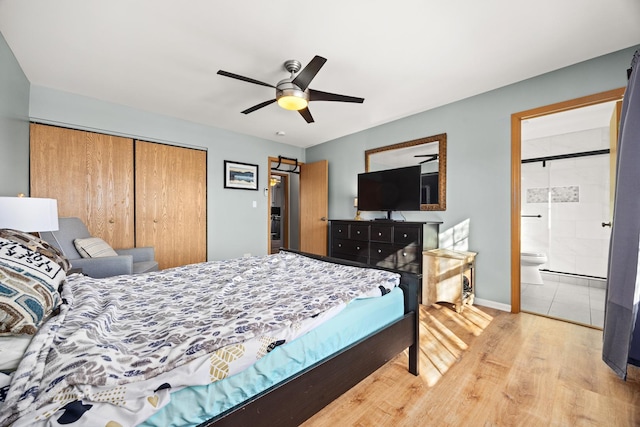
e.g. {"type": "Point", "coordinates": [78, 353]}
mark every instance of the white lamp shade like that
{"type": "Point", "coordinates": [29, 214]}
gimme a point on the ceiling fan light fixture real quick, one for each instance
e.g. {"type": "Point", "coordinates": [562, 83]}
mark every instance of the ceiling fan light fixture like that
{"type": "Point", "coordinates": [292, 99]}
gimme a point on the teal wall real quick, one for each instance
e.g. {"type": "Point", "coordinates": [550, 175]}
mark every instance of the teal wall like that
{"type": "Point", "coordinates": [478, 158]}
{"type": "Point", "coordinates": [14, 125]}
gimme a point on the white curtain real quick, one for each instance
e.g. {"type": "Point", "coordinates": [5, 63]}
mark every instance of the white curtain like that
{"type": "Point", "coordinates": [621, 332]}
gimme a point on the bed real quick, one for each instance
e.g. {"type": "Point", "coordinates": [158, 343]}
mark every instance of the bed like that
{"type": "Point", "coordinates": [74, 361]}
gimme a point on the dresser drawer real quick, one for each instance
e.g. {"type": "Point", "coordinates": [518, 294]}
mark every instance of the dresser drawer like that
{"type": "Point", "coordinates": [382, 251]}
{"type": "Point", "coordinates": [406, 235]}
{"type": "Point", "coordinates": [412, 267]}
{"type": "Point", "coordinates": [357, 257]}
{"type": "Point", "coordinates": [408, 255]}
{"type": "Point", "coordinates": [340, 230]}
{"type": "Point", "coordinates": [381, 233]}
{"type": "Point", "coordinates": [386, 263]}
{"type": "Point", "coordinates": [348, 249]}
{"type": "Point", "coordinates": [359, 232]}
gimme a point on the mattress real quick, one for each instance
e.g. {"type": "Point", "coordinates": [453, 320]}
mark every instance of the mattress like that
{"type": "Point", "coordinates": [119, 346]}
{"type": "Point", "coordinates": [362, 317]}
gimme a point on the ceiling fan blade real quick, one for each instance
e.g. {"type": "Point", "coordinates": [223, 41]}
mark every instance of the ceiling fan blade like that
{"type": "Point", "coordinates": [306, 114]}
{"type": "Point", "coordinates": [316, 95]}
{"type": "Point", "coordinates": [305, 76]}
{"type": "Point", "coordinates": [244, 79]}
{"type": "Point", "coordinates": [429, 157]}
{"type": "Point", "coordinates": [259, 106]}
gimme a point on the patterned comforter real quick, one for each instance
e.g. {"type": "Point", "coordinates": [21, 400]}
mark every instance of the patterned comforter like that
{"type": "Point", "coordinates": [120, 345]}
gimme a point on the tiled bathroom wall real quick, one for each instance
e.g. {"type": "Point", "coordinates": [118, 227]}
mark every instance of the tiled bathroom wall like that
{"type": "Point", "coordinates": [572, 198]}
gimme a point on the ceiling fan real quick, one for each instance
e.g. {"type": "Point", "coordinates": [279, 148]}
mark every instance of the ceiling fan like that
{"type": "Point", "coordinates": [293, 93]}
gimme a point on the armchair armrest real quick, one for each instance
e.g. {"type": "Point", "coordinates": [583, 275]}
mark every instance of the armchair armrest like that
{"type": "Point", "coordinates": [104, 266]}
{"type": "Point", "coordinates": [141, 254]}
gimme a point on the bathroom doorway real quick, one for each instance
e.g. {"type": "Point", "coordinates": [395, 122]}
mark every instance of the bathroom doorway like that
{"type": "Point", "coordinates": [278, 212]}
{"type": "Point", "coordinates": [562, 179]}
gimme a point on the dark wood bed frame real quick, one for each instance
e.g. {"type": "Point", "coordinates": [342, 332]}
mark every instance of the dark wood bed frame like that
{"type": "Point", "coordinates": [297, 398]}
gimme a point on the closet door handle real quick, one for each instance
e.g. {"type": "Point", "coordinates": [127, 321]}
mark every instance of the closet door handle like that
{"type": "Point", "coordinates": [606, 224]}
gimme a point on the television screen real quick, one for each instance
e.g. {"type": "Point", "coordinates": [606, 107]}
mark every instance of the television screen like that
{"type": "Point", "coordinates": [390, 190]}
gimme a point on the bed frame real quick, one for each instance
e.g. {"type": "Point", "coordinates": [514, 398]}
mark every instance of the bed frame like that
{"type": "Point", "coordinates": [309, 391]}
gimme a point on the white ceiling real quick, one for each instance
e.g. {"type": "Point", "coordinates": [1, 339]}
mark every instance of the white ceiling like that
{"type": "Point", "coordinates": [575, 120]}
{"type": "Point", "coordinates": [403, 57]}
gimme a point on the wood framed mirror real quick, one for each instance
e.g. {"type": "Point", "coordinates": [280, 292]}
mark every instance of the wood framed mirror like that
{"type": "Point", "coordinates": [430, 153]}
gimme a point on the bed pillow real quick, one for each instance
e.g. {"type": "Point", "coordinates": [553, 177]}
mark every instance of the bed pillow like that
{"type": "Point", "coordinates": [38, 245]}
{"type": "Point", "coordinates": [93, 247]}
{"type": "Point", "coordinates": [29, 284]}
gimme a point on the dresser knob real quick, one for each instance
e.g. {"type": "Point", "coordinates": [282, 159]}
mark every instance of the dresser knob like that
{"type": "Point", "coordinates": [405, 234]}
{"type": "Point", "coordinates": [404, 254]}
{"type": "Point", "coordinates": [358, 232]}
{"type": "Point", "coordinates": [379, 251]}
{"type": "Point", "coordinates": [358, 247]}
{"type": "Point", "coordinates": [379, 234]}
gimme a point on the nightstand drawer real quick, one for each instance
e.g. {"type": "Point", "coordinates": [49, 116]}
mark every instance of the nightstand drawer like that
{"type": "Point", "coordinates": [381, 233]}
{"type": "Point", "coordinates": [359, 232]}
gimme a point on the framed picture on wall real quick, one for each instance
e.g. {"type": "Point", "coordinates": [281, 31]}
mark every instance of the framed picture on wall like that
{"type": "Point", "coordinates": [242, 176]}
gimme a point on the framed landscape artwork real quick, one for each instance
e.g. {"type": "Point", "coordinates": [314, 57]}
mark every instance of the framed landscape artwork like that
{"type": "Point", "coordinates": [242, 176]}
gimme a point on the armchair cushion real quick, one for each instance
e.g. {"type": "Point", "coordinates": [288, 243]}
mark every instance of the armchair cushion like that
{"type": "Point", "coordinates": [123, 261]}
{"type": "Point", "coordinates": [93, 247]}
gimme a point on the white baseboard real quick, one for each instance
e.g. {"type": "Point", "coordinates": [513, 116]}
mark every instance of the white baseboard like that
{"type": "Point", "coordinates": [492, 304]}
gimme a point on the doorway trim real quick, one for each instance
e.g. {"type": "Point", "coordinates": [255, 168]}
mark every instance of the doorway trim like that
{"type": "Point", "coordinates": [516, 158]}
{"type": "Point", "coordinates": [285, 176]}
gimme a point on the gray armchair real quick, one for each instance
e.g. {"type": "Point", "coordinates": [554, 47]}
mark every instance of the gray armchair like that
{"type": "Point", "coordinates": [128, 261]}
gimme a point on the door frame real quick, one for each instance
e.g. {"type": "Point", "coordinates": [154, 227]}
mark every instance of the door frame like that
{"type": "Point", "coordinates": [516, 158]}
{"type": "Point", "coordinates": [284, 218]}
{"type": "Point", "coordinates": [285, 174]}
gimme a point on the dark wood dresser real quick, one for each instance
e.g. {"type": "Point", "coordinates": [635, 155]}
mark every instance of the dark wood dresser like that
{"type": "Point", "coordinates": [392, 244]}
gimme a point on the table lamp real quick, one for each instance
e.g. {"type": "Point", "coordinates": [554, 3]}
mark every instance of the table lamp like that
{"type": "Point", "coordinates": [29, 214]}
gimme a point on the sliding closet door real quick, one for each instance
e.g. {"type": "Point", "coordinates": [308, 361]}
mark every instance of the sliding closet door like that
{"type": "Point", "coordinates": [91, 176]}
{"type": "Point", "coordinates": [171, 202]}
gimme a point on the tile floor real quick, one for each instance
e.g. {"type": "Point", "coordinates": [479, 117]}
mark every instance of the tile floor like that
{"type": "Point", "coordinates": [566, 297]}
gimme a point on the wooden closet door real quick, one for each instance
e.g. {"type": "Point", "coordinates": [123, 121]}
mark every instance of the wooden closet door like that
{"type": "Point", "coordinates": [171, 202]}
{"type": "Point", "coordinates": [91, 176]}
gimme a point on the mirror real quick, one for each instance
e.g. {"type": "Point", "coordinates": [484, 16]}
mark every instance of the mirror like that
{"type": "Point", "coordinates": [430, 152]}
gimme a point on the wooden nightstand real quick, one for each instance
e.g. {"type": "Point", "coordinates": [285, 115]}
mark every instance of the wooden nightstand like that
{"type": "Point", "coordinates": [444, 274]}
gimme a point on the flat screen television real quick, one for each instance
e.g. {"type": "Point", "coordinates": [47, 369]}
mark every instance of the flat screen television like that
{"type": "Point", "coordinates": [390, 190]}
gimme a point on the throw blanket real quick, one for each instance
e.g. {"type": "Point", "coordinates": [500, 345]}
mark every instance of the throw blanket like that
{"type": "Point", "coordinates": [130, 329]}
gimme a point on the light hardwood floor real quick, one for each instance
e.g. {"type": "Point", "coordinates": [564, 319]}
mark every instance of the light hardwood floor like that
{"type": "Point", "coordinates": [486, 367]}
